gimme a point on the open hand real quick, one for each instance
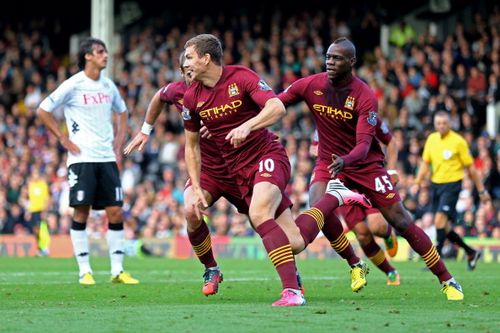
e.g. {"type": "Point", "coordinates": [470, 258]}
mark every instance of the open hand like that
{"type": "Point", "coordinates": [70, 146]}
{"type": "Point", "coordinates": [138, 143]}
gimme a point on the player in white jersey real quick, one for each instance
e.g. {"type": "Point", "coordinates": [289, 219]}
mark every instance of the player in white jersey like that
{"type": "Point", "coordinates": [89, 100]}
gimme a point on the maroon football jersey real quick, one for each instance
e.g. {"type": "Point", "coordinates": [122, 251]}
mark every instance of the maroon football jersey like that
{"type": "Point", "coordinates": [211, 158]}
{"type": "Point", "coordinates": [382, 133]}
{"type": "Point", "coordinates": [239, 95]}
{"type": "Point", "coordinates": [340, 113]}
{"type": "Point", "coordinates": [173, 94]}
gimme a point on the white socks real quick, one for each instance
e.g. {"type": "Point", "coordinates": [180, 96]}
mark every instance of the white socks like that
{"type": "Point", "coordinates": [81, 250]}
{"type": "Point", "coordinates": [116, 240]}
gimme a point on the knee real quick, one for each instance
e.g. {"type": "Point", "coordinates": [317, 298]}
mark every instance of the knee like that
{"type": "Point", "coordinates": [440, 220]}
{"type": "Point", "coordinates": [263, 208]}
{"type": "Point", "coordinates": [398, 217]}
{"type": "Point", "coordinates": [364, 237]}
{"type": "Point", "coordinates": [257, 218]}
{"type": "Point", "coordinates": [377, 225]}
{"type": "Point", "coordinates": [193, 222]}
{"type": "Point", "coordinates": [259, 214]}
{"type": "Point", "coordinates": [314, 197]}
{"type": "Point", "coordinates": [80, 216]}
{"type": "Point", "coordinates": [401, 222]}
{"type": "Point", "coordinates": [116, 216]}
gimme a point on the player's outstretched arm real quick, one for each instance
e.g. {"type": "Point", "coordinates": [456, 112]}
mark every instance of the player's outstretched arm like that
{"type": "Point", "coordinates": [141, 138]}
{"type": "Point", "coordinates": [137, 143]}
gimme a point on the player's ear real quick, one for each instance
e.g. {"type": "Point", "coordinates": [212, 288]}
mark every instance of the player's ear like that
{"type": "Point", "coordinates": [353, 61]}
{"type": "Point", "coordinates": [88, 55]}
{"type": "Point", "coordinates": [207, 57]}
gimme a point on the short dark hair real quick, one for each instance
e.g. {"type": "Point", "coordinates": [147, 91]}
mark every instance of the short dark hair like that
{"type": "Point", "coordinates": [86, 47]}
{"type": "Point", "coordinates": [340, 39]}
{"type": "Point", "coordinates": [347, 45]}
{"type": "Point", "coordinates": [207, 43]}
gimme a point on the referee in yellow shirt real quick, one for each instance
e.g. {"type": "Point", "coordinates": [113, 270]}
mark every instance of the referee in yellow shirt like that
{"type": "Point", "coordinates": [39, 197]}
{"type": "Point", "coordinates": [447, 154]}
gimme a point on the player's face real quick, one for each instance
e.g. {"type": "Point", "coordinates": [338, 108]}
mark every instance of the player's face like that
{"type": "Point", "coordinates": [194, 65]}
{"type": "Point", "coordinates": [442, 124]}
{"type": "Point", "coordinates": [187, 75]}
{"type": "Point", "coordinates": [99, 56]}
{"type": "Point", "coordinates": [338, 62]}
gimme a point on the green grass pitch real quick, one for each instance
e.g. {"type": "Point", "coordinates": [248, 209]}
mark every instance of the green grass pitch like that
{"type": "Point", "coordinates": [42, 295]}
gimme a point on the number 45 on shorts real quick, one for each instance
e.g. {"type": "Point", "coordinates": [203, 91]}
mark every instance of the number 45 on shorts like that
{"type": "Point", "coordinates": [383, 184]}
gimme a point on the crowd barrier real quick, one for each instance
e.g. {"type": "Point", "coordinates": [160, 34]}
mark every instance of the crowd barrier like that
{"type": "Point", "coordinates": [223, 246]}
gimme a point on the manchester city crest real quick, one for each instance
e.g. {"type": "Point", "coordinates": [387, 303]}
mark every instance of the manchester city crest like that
{"type": "Point", "coordinates": [233, 90]}
{"type": "Point", "coordinates": [349, 103]}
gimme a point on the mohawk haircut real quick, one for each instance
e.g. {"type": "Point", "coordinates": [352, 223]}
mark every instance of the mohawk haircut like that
{"type": "Point", "coordinates": [347, 45]}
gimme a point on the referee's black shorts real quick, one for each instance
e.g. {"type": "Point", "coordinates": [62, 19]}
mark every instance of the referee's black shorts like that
{"type": "Point", "coordinates": [444, 198]}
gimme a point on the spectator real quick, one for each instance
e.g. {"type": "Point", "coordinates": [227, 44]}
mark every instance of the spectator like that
{"type": "Point", "coordinates": [402, 34]}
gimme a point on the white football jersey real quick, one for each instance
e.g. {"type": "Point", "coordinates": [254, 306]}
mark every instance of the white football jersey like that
{"type": "Point", "coordinates": [88, 107]}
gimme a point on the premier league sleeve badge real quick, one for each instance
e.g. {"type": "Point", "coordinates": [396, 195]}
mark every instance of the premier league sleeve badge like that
{"type": "Point", "coordinates": [372, 118]}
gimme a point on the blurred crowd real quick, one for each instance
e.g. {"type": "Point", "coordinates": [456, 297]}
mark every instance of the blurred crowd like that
{"type": "Point", "coordinates": [421, 75]}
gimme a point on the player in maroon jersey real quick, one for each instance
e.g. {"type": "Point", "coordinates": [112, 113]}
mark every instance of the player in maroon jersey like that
{"type": "Point", "coordinates": [215, 180]}
{"type": "Point", "coordinates": [236, 106]}
{"type": "Point", "coordinates": [355, 216]}
{"type": "Point", "coordinates": [345, 112]}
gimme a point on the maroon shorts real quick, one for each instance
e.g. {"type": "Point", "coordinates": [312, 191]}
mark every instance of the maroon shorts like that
{"type": "Point", "coordinates": [273, 167]}
{"type": "Point", "coordinates": [354, 214]}
{"type": "Point", "coordinates": [373, 182]}
{"type": "Point", "coordinates": [218, 187]}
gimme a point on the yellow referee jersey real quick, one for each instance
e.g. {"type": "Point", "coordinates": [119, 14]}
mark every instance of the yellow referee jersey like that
{"type": "Point", "coordinates": [38, 194]}
{"type": "Point", "coordinates": [447, 156]}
